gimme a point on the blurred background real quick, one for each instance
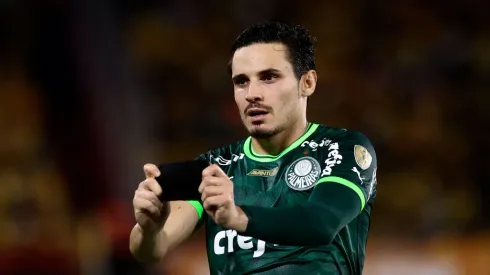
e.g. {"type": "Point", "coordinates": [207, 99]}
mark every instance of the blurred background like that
{"type": "Point", "coordinates": [91, 90]}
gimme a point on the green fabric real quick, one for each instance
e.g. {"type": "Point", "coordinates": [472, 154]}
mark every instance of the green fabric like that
{"type": "Point", "coordinates": [249, 152]}
{"type": "Point", "coordinates": [330, 208]}
{"type": "Point", "coordinates": [346, 183]}
{"type": "Point", "coordinates": [198, 206]}
{"type": "Point", "coordinates": [287, 181]}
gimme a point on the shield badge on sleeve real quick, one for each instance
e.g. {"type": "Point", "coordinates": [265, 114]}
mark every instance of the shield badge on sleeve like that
{"type": "Point", "coordinates": [362, 156]}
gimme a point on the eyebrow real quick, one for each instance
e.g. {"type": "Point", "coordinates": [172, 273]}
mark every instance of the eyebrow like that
{"type": "Point", "coordinates": [263, 72]}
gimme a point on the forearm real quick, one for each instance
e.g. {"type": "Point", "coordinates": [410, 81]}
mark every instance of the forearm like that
{"type": "Point", "coordinates": [315, 223]}
{"type": "Point", "coordinates": [300, 225]}
{"type": "Point", "coordinates": [151, 247]}
{"type": "Point", "coordinates": [147, 247]}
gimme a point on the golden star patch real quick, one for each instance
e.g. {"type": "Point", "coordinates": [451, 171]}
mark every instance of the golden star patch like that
{"type": "Point", "coordinates": [362, 156]}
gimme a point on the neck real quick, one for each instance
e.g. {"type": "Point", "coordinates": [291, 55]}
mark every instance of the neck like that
{"type": "Point", "coordinates": [276, 144]}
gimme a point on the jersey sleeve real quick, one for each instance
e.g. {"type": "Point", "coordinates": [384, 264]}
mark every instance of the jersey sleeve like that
{"type": "Point", "coordinates": [350, 160]}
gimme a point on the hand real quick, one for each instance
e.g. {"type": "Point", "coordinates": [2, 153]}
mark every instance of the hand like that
{"type": "Point", "coordinates": [149, 211]}
{"type": "Point", "coordinates": [218, 199]}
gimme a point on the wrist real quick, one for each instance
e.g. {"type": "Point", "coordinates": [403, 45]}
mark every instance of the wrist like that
{"type": "Point", "coordinates": [241, 222]}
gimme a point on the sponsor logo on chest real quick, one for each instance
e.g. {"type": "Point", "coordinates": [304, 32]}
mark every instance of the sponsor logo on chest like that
{"type": "Point", "coordinates": [263, 173]}
{"type": "Point", "coordinates": [314, 145]}
{"type": "Point", "coordinates": [224, 242]}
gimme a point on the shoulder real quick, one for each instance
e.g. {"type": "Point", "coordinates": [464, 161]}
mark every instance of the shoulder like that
{"type": "Point", "coordinates": [330, 135]}
{"type": "Point", "coordinates": [341, 134]}
{"type": "Point", "coordinates": [340, 145]}
{"type": "Point", "coordinates": [349, 158]}
{"type": "Point", "coordinates": [359, 147]}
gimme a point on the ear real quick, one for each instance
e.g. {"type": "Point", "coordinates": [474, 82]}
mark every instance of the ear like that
{"type": "Point", "coordinates": [308, 83]}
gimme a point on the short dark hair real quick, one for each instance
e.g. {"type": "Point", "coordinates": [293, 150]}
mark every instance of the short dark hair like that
{"type": "Point", "coordinates": [299, 44]}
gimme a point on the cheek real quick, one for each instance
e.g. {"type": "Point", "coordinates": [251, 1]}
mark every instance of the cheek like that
{"type": "Point", "coordinates": [288, 98]}
{"type": "Point", "coordinates": [240, 100]}
{"type": "Point", "coordinates": [239, 94]}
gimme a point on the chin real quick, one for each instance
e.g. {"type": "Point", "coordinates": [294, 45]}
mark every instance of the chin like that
{"type": "Point", "coordinates": [261, 132]}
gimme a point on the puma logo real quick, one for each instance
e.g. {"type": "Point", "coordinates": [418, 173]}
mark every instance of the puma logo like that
{"type": "Point", "coordinates": [354, 169]}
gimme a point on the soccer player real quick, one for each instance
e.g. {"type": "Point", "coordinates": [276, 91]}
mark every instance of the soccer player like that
{"type": "Point", "coordinates": [294, 197]}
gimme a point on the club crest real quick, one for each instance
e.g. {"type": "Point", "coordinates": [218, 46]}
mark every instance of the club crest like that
{"type": "Point", "coordinates": [303, 173]}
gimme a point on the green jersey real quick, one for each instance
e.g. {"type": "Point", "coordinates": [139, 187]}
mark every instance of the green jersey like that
{"type": "Point", "coordinates": [322, 154]}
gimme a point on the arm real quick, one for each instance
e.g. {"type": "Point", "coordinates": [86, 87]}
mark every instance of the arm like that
{"type": "Point", "coordinates": [346, 185]}
{"type": "Point", "coordinates": [152, 247]}
{"type": "Point", "coordinates": [333, 204]}
{"type": "Point", "coordinates": [330, 208]}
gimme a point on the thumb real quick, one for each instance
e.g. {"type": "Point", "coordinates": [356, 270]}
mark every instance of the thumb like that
{"type": "Point", "coordinates": [218, 172]}
{"type": "Point", "coordinates": [151, 170]}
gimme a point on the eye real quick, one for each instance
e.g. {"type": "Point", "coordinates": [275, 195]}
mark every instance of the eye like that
{"type": "Point", "coordinates": [240, 81]}
{"type": "Point", "coordinates": [269, 78]}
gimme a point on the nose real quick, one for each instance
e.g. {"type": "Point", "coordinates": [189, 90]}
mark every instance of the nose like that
{"type": "Point", "coordinates": [254, 93]}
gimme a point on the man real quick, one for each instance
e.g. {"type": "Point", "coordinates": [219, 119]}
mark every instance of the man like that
{"type": "Point", "coordinates": [293, 198]}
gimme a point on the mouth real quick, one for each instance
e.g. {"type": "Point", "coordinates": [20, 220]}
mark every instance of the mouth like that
{"type": "Point", "coordinates": [257, 115]}
{"type": "Point", "coordinates": [256, 112]}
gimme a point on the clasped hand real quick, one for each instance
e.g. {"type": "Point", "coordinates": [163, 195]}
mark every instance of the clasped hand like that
{"type": "Point", "coordinates": [217, 197]}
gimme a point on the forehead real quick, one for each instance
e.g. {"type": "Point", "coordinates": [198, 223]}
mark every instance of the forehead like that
{"type": "Point", "coordinates": [261, 56]}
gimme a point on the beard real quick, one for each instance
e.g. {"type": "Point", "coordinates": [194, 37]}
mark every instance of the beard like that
{"type": "Point", "coordinates": [263, 133]}
{"type": "Point", "coordinates": [260, 133]}
{"type": "Point", "coordinates": [267, 133]}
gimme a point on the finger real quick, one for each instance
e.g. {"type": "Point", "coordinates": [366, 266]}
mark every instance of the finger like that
{"type": "Point", "coordinates": [210, 181]}
{"type": "Point", "coordinates": [211, 191]}
{"type": "Point", "coordinates": [148, 195]}
{"type": "Point", "coordinates": [151, 170]}
{"type": "Point", "coordinates": [151, 185]}
{"type": "Point", "coordinates": [220, 173]}
{"type": "Point", "coordinates": [208, 171]}
{"type": "Point", "coordinates": [213, 171]}
{"type": "Point", "coordinates": [213, 202]}
{"type": "Point", "coordinates": [209, 203]}
{"type": "Point", "coordinates": [141, 204]}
